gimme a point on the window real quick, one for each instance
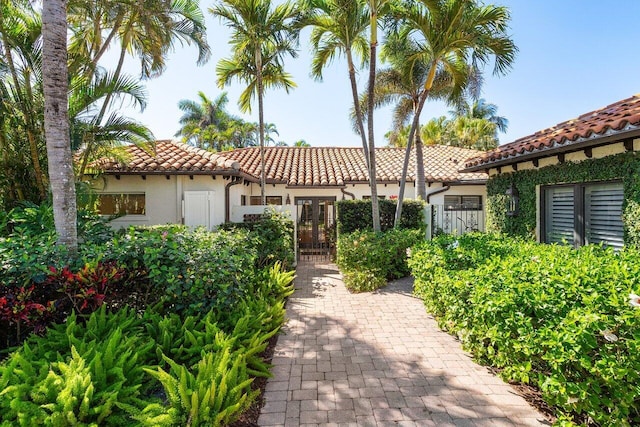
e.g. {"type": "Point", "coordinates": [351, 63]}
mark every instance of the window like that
{"type": "Point", "coordinates": [121, 204]}
{"type": "Point", "coordinates": [463, 203]}
{"type": "Point", "coordinates": [581, 214]}
{"type": "Point", "coordinates": [369, 197]}
{"type": "Point", "coordinates": [271, 200]}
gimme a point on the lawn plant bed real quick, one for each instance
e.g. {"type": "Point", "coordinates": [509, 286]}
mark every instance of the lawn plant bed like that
{"type": "Point", "coordinates": [162, 326]}
{"type": "Point", "coordinates": [561, 319]}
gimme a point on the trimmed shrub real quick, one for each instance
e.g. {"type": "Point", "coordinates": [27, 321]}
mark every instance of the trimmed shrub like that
{"type": "Point", "coordinates": [548, 315]}
{"type": "Point", "coordinates": [354, 215]}
{"type": "Point", "coordinates": [273, 235]}
{"type": "Point", "coordinates": [367, 259]}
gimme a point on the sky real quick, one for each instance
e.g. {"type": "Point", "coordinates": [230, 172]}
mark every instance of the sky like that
{"type": "Point", "coordinates": [574, 56]}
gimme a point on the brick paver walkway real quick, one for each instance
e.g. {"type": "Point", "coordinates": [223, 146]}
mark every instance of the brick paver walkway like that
{"type": "Point", "coordinates": [377, 359]}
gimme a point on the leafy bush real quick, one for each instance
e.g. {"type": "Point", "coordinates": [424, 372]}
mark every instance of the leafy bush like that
{"type": "Point", "coordinates": [367, 259]}
{"type": "Point", "coordinates": [273, 238]}
{"type": "Point", "coordinates": [354, 215]}
{"type": "Point", "coordinates": [548, 315]}
{"type": "Point", "coordinates": [126, 369]}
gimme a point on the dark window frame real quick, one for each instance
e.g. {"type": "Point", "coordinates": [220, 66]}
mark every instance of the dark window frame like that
{"type": "Point", "coordinates": [269, 202]}
{"type": "Point", "coordinates": [123, 194]}
{"type": "Point", "coordinates": [579, 232]}
{"type": "Point", "coordinates": [460, 206]}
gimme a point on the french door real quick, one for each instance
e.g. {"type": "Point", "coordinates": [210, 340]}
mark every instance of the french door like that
{"type": "Point", "coordinates": [315, 216]}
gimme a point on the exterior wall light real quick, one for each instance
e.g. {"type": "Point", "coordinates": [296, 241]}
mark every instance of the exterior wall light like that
{"type": "Point", "coordinates": [513, 200]}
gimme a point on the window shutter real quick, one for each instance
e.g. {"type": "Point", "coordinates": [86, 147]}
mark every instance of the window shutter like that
{"type": "Point", "coordinates": [603, 214]}
{"type": "Point", "coordinates": [559, 215]}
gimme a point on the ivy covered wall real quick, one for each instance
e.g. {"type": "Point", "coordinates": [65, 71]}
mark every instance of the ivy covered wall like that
{"type": "Point", "coordinates": [625, 167]}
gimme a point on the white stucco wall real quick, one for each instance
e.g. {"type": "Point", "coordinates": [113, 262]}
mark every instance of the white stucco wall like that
{"type": "Point", "coordinates": [163, 197]}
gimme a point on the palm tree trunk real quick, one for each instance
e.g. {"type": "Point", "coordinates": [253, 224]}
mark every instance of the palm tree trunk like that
{"type": "Point", "coordinates": [407, 156]}
{"type": "Point", "coordinates": [56, 122]}
{"type": "Point", "coordinates": [356, 105]}
{"type": "Point", "coordinates": [263, 173]}
{"type": "Point", "coordinates": [414, 128]}
{"type": "Point", "coordinates": [421, 189]}
{"type": "Point", "coordinates": [375, 208]}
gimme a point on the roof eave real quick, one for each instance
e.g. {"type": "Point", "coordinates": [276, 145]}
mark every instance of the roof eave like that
{"type": "Point", "coordinates": [556, 149]}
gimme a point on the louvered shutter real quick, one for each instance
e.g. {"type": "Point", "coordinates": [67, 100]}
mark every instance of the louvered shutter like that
{"type": "Point", "coordinates": [603, 214]}
{"type": "Point", "coordinates": [559, 215]}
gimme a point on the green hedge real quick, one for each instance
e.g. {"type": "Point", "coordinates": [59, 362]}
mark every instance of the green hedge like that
{"type": "Point", "coordinates": [367, 259]}
{"type": "Point", "coordinates": [274, 234]}
{"type": "Point", "coordinates": [548, 315]}
{"type": "Point", "coordinates": [625, 166]}
{"type": "Point", "coordinates": [353, 215]}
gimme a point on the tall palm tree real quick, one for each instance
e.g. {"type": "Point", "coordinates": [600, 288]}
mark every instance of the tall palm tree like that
{"type": "Point", "coordinates": [454, 34]}
{"type": "Point", "coordinates": [56, 122]}
{"type": "Point", "coordinates": [262, 35]}
{"type": "Point", "coordinates": [403, 84]}
{"type": "Point", "coordinates": [339, 28]}
{"type": "Point", "coordinates": [148, 30]}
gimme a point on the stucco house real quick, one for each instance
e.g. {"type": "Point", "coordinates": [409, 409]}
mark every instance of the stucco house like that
{"type": "Point", "coordinates": [178, 183]}
{"type": "Point", "coordinates": [577, 182]}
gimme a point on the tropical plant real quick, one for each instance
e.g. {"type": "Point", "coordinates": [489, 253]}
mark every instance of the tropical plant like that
{"type": "Point", "coordinates": [262, 36]}
{"type": "Point", "coordinates": [56, 122]}
{"type": "Point", "coordinates": [20, 30]}
{"type": "Point", "coordinates": [205, 121]}
{"type": "Point", "coordinates": [339, 28]}
{"type": "Point", "coordinates": [402, 83]}
{"type": "Point", "coordinates": [148, 30]}
{"type": "Point", "coordinates": [453, 34]}
{"type": "Point", "coordinates": [481, 109]}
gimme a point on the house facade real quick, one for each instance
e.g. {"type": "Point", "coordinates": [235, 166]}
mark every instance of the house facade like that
{"type": "Point", "coordinates": [577, 182]}
{"type": "Point", "coordinates": [178, 183]}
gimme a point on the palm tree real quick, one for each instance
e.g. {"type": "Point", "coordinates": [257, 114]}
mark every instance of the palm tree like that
{"type": "Point", "coordinates": [403, 84]}
{"type": "Point", "coordinates": [203, 120]}
{"type": "Point", "coordinates": [481, 109]}
{"type": "Point", "coordinates": [301, 143]}
{"type": "Point", "coordinates": [20, 29]}
{"type": "Point", "coordinates": [262, 35]}
{"type": "Point", "coordinates": [434, 131]}
{"type": "Point", "coordinates": [454, 34]}
{"type": "Point", "coordinates": [339, 28]}
{"type": "Point", "coordinates": [56, 122]}
{"type": "Point", "coordinates": [472, 132]}
{"type": "Point", "coordinates": [270, 129]}
{"type": "Point", "coordinates": [148, 30]}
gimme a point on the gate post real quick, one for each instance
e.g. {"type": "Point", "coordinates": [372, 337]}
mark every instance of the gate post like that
{"type": "Point", "coordinates": [428, 219]}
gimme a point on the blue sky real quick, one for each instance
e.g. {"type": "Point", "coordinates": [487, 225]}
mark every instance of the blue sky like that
{"type": "Point", "coordinates": [574, 56]}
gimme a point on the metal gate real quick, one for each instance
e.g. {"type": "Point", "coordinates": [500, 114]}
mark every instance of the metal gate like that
{"type": "Point", "coordinates": [316, 228]}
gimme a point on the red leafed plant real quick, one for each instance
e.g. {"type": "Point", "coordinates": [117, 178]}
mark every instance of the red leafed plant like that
{"type": "Point", "coordinates": [18, 309]}
{"type": "Point", "coordinates": [86, 288]}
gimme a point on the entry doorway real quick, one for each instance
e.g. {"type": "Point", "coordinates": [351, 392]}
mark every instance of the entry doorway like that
{"type": "Point", "coordinates": [315, 217]}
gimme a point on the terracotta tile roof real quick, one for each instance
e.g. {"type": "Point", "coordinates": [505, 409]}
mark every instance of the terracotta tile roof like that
{"type": "Point", "coordinates": [618, 118]}
{"type": "Point", "coordinates": [297, 166]}
{"type": "Point", "coordinates": [322, 166]}
{"type": "Point", "coordinates": [169, 156]}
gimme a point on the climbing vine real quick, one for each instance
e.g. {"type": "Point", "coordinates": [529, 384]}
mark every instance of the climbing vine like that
{"type": "Point", "coordinates": [624, 167]}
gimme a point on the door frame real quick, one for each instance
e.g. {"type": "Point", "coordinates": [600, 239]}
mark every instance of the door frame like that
{"type": "Point", "coordinates": [316, 244]}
